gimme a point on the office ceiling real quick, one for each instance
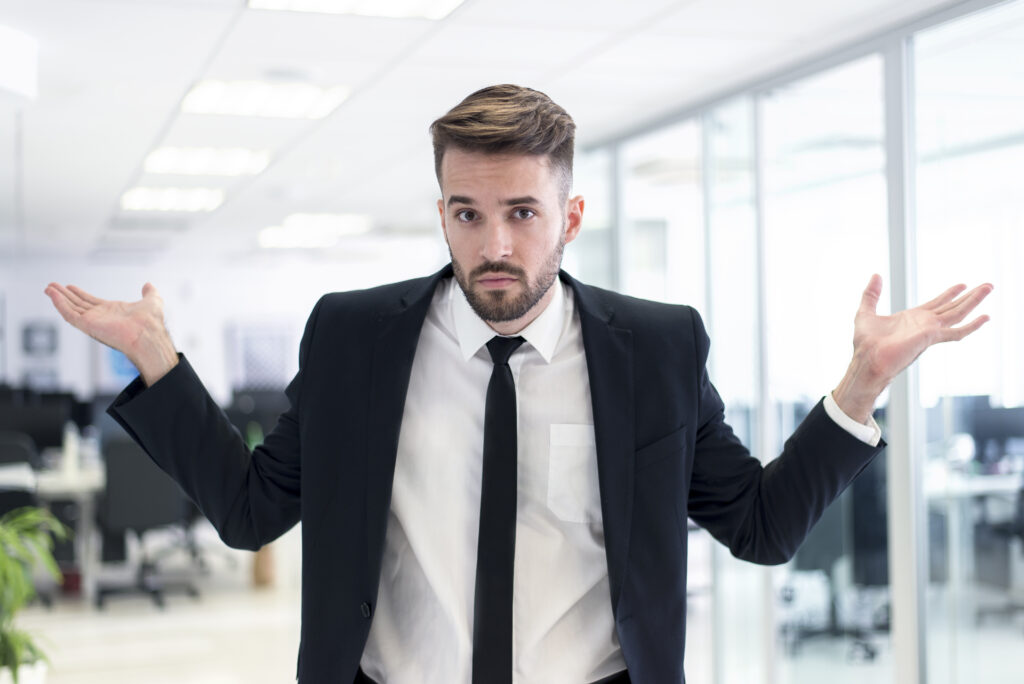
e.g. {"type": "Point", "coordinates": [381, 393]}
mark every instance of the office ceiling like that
{"type": "Point", "coordinates": [113, 74]}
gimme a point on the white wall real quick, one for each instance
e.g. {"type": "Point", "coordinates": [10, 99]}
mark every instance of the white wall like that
{"type": "Point", "coordinates": [201, 298]}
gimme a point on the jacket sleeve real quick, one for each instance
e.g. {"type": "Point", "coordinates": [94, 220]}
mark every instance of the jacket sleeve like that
{"type": "Point", "coordinates": [250, 497]}
{"type": "Point", "coordinates": [763, 513]}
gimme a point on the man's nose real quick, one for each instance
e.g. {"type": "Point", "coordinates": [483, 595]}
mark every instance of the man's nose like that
{"type": "Point", "coordinates": [497, 243]}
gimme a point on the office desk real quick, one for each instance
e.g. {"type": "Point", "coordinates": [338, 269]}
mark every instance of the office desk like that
{"type": "Point", "coordinates": [940, 483]}
{"type": "Point", "coordinates": [956, 491]}
{"type": "Point", "coordinates": [80, 485]}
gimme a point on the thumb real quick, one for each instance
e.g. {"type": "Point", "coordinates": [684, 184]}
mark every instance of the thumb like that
{"type": "Point", "coordinates": [148, 289]}
{"type": "Point", "coordinates": [869, 300]}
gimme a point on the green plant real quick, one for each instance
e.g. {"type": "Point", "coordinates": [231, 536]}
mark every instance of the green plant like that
{"type": "Point", "coordinates": [26, 541]}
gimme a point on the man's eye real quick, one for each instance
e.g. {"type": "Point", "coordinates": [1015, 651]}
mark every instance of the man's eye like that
{"type": "Point", "coordinates": [524, 213]}
{"type": "Point", "coordinates": [465, 215]}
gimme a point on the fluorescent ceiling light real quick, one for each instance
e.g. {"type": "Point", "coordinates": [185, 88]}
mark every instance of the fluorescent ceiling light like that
{"type": "Point", "coordinates": [313, 231]}
{"type": "Point", "coordinates": [258, 98]}
{"type": "Point", "coordinates": [207, 161]}
{"type": "Point", "coordinates": [172, 199]}
{"type": "Point", "coordinates": [398, 9]}
{"type": "Point", "coordinates": [19, 63]}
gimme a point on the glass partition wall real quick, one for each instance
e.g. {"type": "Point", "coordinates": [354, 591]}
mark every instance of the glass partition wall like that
{"type": "Point", "coordinates": [739, 589]}
{"type": "Point", "coordinates": [663, 230]}
{"type": "Point", "coordinates": [590, 258]}
{"type": "Point", "coordinates": [824, 235]}
{"type": "Point", "coordinates": [768, 210]}
{"type": "Point", "coordinates": [970, 152]}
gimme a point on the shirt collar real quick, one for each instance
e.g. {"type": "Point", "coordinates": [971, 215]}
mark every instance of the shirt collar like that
{"type": "Point", "coordinates": [473, 333]}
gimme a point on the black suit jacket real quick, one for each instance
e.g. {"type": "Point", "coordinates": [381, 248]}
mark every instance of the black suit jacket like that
{"type": "Point", "coordinates": [664, 453]}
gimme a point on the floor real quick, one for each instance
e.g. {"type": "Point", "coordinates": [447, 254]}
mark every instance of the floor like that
{"type": "Point", "coordinates": [236, 635]}
{"type": "Point", "coordinates": [231, 634]}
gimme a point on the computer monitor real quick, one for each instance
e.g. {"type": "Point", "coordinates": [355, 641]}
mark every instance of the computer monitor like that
{"type": "Point", "coordinates": [44, 423]}
{"type": "Point", "coordinates": [993, 428]}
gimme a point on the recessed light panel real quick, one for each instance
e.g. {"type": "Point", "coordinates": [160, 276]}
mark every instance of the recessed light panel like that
{"type": "Point", "coordinates": [172, 199]}
{"type": "Point", "coordinates": [259, 98]}
{"type": "Point", "coordinates": [313, 231]}
{"type": "Point", "coordinates": [398, 9]}
{"type": "Point", "coordinates": [206, 161]}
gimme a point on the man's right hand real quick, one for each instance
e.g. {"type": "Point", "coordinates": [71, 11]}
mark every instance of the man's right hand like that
{"type": "Point", "coordinates": [134, 328]}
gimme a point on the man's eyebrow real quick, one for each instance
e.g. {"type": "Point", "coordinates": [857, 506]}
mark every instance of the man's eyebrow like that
{"type": "Point", "coordinates": [526, 199]}
{"type": "Point", "coordinates": [459, 199]}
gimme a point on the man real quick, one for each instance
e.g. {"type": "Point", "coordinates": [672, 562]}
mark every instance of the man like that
{"type": "Point", "coordinates": [494, 465]}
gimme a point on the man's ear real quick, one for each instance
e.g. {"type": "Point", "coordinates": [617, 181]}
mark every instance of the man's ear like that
{"type": "Point", "coordinates": [573, 217]}
{"type": "Point", "coordinates": [440, 211]}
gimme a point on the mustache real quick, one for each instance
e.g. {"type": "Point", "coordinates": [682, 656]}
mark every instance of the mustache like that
{"type": "Point", "coordinates": [497, 267]}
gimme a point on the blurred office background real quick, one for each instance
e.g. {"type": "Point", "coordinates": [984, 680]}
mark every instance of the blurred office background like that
{"type": "Point", "coordinates": [756, 160]}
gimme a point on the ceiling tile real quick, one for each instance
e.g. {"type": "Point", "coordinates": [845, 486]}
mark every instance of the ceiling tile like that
{"type": "Point", "coordinates": [318, 47]}
{"type": "Point", "coordinates": [200, 130]}
{"type": "Point", "coordinates": [687, 54]}
{"type": "Point", "coordinates": [612, 15]}
{"type": "Point", "coordinates": [458, 44]}
{"type": "Point", "coordinates": [108, 85]}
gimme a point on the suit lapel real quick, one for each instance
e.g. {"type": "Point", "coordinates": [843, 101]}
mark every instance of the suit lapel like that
{"type": "Point", "coordinates": [398, 332]}
{"type": "Point", "coordinates": [609, 352]}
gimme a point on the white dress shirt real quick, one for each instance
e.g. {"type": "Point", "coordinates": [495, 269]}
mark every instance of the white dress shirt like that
{"type": "Point", "coordinates": [563, 628]}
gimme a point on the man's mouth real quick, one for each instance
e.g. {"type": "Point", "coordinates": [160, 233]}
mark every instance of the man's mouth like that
{"type": "Point", "coordinates": [496, 280]}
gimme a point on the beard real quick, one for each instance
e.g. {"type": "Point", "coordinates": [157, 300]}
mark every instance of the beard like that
{"type": "Point", "coordinates": [499, 306]}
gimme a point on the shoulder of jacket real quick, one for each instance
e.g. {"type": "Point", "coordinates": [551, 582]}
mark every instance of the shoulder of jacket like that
{"type": "Point", "coordinates": [628, 311]}
{"type": "Point", "coordinates": [372, 299]}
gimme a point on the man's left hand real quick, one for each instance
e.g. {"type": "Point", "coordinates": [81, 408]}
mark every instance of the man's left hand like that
{"type": "Point", "coordinates": [884, 345]}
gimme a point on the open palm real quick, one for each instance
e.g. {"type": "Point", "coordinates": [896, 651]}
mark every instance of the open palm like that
{"type": "Point", "coordinates": [888, 344]}
{"type": "Point", "coordinates": [117, 324]}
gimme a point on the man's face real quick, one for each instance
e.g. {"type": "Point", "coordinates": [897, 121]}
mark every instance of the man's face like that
{"type": "Point", "coordinates": [506, 225]}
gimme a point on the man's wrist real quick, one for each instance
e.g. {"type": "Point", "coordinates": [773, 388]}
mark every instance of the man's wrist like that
{"type": "Point", "coordinates": [154, 356]}
{"type": "Point", "coordinates": [857, 392]}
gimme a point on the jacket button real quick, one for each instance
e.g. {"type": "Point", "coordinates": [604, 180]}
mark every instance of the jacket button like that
{"type": "Point", "coordinates": [365, 609]}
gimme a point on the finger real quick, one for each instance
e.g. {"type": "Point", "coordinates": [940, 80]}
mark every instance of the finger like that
{"type": "Point", "coordinates": [869, 300]}
{"type": "Point", "coordinates": [945, 298]}
{"type": "Point", "coordinates": [75, 299]}
{"type": "Point", "coordinates": [957, 334]}
{"type": "Point", "coordinates": [147, 289]}
{"type": "Point", "coordinates": [71, 305]}
{"type": "Point", "coordinates": [67, 294]}
{"type": "Point", "coordinates": [63, 306]}
{"type": "Point", "coordinates": [958, 310]}
{"type": "Point", "coordinates": [977, 294]}
{"type": "Point", "coordinates": [85, 296]}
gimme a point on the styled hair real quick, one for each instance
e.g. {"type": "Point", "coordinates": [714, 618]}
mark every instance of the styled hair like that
{"type": "Point", "coordinates": [509, 119]}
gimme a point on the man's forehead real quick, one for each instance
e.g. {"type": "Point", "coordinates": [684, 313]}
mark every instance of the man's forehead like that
{"type": "Point", "coordinates": [457, 158]}
{"type": "Point", "coordinates": [467, 173]}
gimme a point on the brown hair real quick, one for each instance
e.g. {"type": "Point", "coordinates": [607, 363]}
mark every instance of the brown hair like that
{"type": "Point", "coordinates": [509, 119]}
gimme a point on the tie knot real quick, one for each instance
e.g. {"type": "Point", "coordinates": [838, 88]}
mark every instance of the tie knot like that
{"type": "Point", "coordinates": [501, 348]}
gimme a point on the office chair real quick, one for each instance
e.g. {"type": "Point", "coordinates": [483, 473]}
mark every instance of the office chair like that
{"type": "Point", "coordinates": [1006, 530]}
{"type": "Point", "coordinates": [44, 423]}
{"type": "Point", "coordinates": [17, 447]}
{"type": "Point", "coordinates": [139, 497]}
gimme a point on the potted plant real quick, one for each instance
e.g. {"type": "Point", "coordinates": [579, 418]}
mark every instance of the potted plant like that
{"type": "Point", "coordinates": [26, 542]}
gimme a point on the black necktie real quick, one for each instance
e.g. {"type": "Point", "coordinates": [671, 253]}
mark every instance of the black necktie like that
{"type": "Point", "coordinates": [496, 548]}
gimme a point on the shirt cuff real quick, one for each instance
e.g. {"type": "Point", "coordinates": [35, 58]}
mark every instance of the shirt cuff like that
{"type": "Point", "coordinates": [869, 432]}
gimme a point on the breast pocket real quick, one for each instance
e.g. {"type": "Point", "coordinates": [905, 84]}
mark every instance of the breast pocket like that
{"type": "Point", "coordinates": [573, 492]}
{"type": "Point", "coordinates": [669, 446]}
